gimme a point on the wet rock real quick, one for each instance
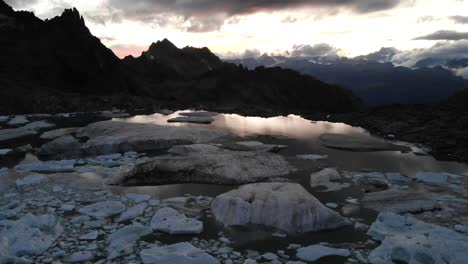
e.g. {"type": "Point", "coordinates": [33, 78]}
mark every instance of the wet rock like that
{"type": "Point", "coordinates": [48, 166]}
{"type": "Point", "coordinates": [327, 178]}
{"type": "Point", "coordinates": [350, 209]}
{"type": "Point", "coordinates": [316, 252]}
{"type": "Point", "coordinates": [3, 172]}
{"type": "Point", "coordinates": [6, 152]}
{"type": "Point", "coordinates": [122, 242]}
{"type": "Point", "coordinates": [176, 254]}
{"type": "Point", "coordinates": [77, 257]}
{"type": "Point", "coordinates": [286, 206]}
{"type": "Point", "coordinates": [103, 209]}
{"type": "Point", "coordinates": [397, 177]}
{"type": "Point", "coordinates": [371, 182]}
{"type": "Point", "coordinates": [254, 146]}
{"type": "Point", "coordinates": [398, 201]}
{"type": "Point", "coordinates": [192, 119]}
{"type": "Point", "coordinates": [38, 125]}
{"type": "Point", "coordinates": [14, 133]}
{"type": "Point", "coordinates": [406, 239]}
{"type": "Point", "coordinates": [29, 236]}
{"type": "Point", "coordinates": [132, 212]}
{"type": "Point", "coordinates": [165, 112]}
{"type": "Point", "coordinates": [64, 146]}
{"type": "Point", "coordinates": [30, 181]}
{"type": "Point", "coordinates": [359, 143]}
{"type": "Point", "coordinates": [207, 164]}
{"type": "Point", "coordinates": [18, 120]}
{"type": "Point", "coordinates": [3, 119]}
{"type": "Point", "coordinates": [311, 157]}
{"type": "Point", "coordinates": [59, 133]}
{"type": "Point", "coordinates": [90, 236]}
{"type": "Point", "coordinates": [170, 221]}
{"type": "Point", "coordinates": [116, 137]}
{"type": "Point", "coordinates": [432, 177]}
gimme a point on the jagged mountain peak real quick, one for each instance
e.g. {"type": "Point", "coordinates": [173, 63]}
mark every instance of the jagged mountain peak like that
{"type": "Point", "coordinates": [5, 8]}
{"type": "Point", "coordinates": [162, 45]}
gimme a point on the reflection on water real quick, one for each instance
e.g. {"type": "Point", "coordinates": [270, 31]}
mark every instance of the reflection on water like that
{"type": "Point", "coordinates": [302, 138]}
{"type": "Point", "coordinates": [291, 126]}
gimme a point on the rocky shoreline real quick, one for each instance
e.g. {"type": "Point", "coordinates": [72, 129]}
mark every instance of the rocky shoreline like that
{"type": "Point", "coordinates": [65, 208]}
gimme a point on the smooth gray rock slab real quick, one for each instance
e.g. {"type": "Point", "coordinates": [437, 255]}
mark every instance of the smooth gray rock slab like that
{"type": "Point", "coordinates": [103, 209]}
{"type": "Point", "coordinates": [432, 177]}
{"type": "Point", "coordinates": [359, 143]}
{"type": "Point", "coordinates": [122, 242]}
{"type": "Point", "coordinates": [408, 240]}
{"type": "Point", "coordinates": [207, 164]}
{"type": "Point", "coordinates": [172, 222]}
{"type": "Point", "coordinates": [29, 236]}
{"type": "Point", "coordinates": [398, 201]}
{"type": "Point", "coordinates": [53, 134]}
{"type": "Point", "coordinates": [191, 119]}
{"type": "Point", "coordinates": [14, 133]}
{"type": "Point", "coordinates": [254, 146]}
{"type": "Point", "coordinates": [116, 137]}
{"type": "Point", "coordinates": [285, 206]}
{"type": "Point", "coordinates": [38, 125]}
{"type": "Point", "coordinates": [199, 114]}
{"type": "Point", "coordinates": [311, 157]}
{"type": "Point", "coordinates": [180, 253]}
{"type": "Point", "coordinates": [316, 252]}
{"type": "Point", "coordinates": [397, 177]}
{"type": "Point", "coordinates": [48, 166]}
{"type": "Point", "coordinates": [30, 181]}
{"type": "Point", "coordinates": [18, 120]}
{"type": "Point", "coordinates": [132, 212]}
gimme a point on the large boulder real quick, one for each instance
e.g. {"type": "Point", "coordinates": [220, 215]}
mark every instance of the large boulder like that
{"type": "Point", "coordinates": [180, 253]}
{"type": "Point", "coordinates": [61, 147]}
{"type": "Point", "coordinates": [329, 179]}
{"type": "Point", "coordinates": [286, 206]}
{"type": "Point", "coordinates": [408, 240]}
{"type": "Point", "coordinates": [29, 236]}
{"type": "Point", "coordinates": [207, 164]}
{"type": "Point", "coordinates": [114, 136]}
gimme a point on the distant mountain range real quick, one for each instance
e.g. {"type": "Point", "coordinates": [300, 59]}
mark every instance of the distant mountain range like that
{"type": "Point", "coordinates": [57, 64]}
{"type": "Point", "coordinates": [373, 77]}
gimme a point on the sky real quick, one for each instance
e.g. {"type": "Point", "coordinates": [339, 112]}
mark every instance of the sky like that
{"type": "Point", "coordinates": [245, 28]}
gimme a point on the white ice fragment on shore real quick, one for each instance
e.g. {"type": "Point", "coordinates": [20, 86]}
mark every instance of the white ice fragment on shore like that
{"type": "Point", "coordinates": [18, 120]}
{"type": "Point", "coordinates": [103, 209]}
{"type": "Point", "coordinates": [170, 221]}
{"type": "Point", "coordinates": [31, 180]}
{"type": "Point", "coordinates": [122, 242]}
{"type": "Point", "coordinates": [180, 253]}
{"type": "Point", "coordinates": [48, 166]}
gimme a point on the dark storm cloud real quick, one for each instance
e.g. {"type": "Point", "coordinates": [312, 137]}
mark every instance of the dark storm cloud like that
{"type": "Point", "coordinates": [317, 50]}
{"type": "Point", "coordinates": [204, 15]}
{"type": "Point", "coordinates": [445, 35]}
{"type": "Point", "coordinates": [460, 19]}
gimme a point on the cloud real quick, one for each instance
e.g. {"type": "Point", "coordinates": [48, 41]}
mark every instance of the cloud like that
{"type": "Point", "coordinates": [209, 15]}
{"type": "Point", "coordinates": [460, 19]}
{"type": "Point", "coordinates": [440, 51]}
{"type": "Point", "coordinates": [426, 19]}
{"type": "Point", "coordinates": [289, 20]}
{"type": "Point", "coordinates": [317, 50]}
{"type": "Point", "coordinates": [445, 35]}
{"type": "Point", "coordinates": [20, 3]}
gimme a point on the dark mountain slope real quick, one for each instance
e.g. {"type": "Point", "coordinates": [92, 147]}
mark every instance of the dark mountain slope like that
{"type": "Point", "coordinates": [60, 53]}
{"type": "Point", "coordinates": [379, 83]}
{"type": "Point", "coordinates": [196, 76]}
